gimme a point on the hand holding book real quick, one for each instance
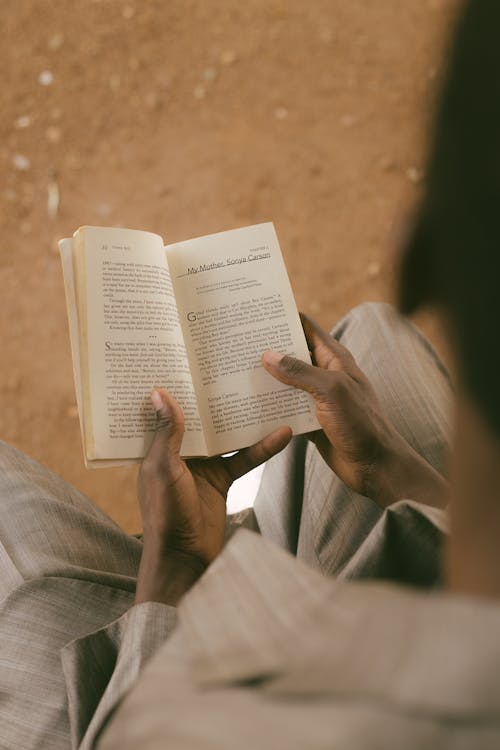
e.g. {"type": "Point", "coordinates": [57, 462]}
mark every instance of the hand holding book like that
{"type": "Point", "coordinates": [183, 504]}
{"type": "Point", "coordinates": [194, 318]}
{"type": "Point", "coordinates": [357, 440]}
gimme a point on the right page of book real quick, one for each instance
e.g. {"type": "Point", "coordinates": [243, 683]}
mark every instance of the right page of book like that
{"type": "Point", "coordinates": [235, 301]}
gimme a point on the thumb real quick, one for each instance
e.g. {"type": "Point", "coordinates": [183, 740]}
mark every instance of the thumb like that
{"type": "Point", "coordinates": [294, 372]}
{"type": "Point", "coordinates": [166, 445]}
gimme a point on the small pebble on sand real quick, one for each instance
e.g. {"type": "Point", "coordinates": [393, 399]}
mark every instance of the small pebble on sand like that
{"type": "Point", "coordinates": [23, 122]}
{"type": "Point", "coordinates": [55, 42]}
{"type": "Point", "coordinates": [228, 57]}
{"type": "Point", "coordinates": [209, 74]}
{"type": "Point", "coordinates": [53, 134]}
{"type": "Point", "coordinates": [46, 78]}
{"type": "Point", "coordinates": [114, 82]}
{"type": "Point", "coordinates": [281, 113]}
{"type": "Point", "coordinates": [373, 269]}
{"type": "Point", "coordinates": [414, 174]}
{"type": "Point", "coordinates": [21, 162]}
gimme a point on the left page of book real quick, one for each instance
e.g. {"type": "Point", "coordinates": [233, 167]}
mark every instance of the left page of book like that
{"type": "Point", "coordinates": [129, 340]}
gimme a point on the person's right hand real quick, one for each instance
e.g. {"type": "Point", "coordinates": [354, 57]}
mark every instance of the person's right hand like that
{"type": "Point", "coordinates": [357, 441]}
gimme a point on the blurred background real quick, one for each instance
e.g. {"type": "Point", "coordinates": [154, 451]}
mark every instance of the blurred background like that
{"type": "Point", "coordinates": [185, 117]}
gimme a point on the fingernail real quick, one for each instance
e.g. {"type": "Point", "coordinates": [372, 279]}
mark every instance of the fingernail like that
{"type": "Point", "coordinates": [157, 400]}
{"type": "Point", "coordinates": [272, 358]}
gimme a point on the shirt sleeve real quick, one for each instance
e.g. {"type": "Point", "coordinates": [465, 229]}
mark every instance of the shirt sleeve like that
{"type": "Point", "coordinates": [101, 667]}
{"type": "Point", "coordinates": [404, 546]}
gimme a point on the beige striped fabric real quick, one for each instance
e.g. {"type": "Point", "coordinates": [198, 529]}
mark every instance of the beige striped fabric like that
{"type": "Point", "coordinates": [271, 654]}
{"type": "Point", "coordinates": [71, 646]}
{"type": "Point", "coordinates": [305, 508]}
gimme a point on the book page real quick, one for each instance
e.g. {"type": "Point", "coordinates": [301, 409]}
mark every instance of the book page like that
{"type": "Point", "coordinates": [130, 342]}
{"type": "Point", "coordinates": [66, 252]}
{"type": "Point", "coordinates": [235, 301]}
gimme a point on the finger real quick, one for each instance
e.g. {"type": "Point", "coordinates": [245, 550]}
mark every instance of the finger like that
{"type": "Point", "coordinates": [328, 352]}
{"type": "Point", "coordinates": [291, 371]}
{"type": "Point", "coordinates": [164, 451]}
{"type": "Point", "coordinates": [325, 447]}
{"type": "Point", "coordinates": [248, 458]}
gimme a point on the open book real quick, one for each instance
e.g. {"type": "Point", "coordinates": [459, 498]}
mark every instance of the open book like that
{"type": "Point", "coordinates": [193, 318]}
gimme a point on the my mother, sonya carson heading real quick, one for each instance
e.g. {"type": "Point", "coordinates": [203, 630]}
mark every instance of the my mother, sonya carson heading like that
{"type": "Point", "coordinates": [249, 257]}
{"type": "Point", "coordinates": [229, 262]}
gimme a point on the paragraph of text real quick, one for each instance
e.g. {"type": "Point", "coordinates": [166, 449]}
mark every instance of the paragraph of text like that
{"type": "Point", "coordinates": [231, 338]}
{"type": "Point", "coordinates": [132, 369]}
{"type": "Point", "coordinates": [236, 412]}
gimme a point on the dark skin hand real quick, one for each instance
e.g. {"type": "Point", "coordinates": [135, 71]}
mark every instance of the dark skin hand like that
{"type": "Point", "coordinates": [183, 504]}
{"type": "Point", "coordinates": [357, 441]}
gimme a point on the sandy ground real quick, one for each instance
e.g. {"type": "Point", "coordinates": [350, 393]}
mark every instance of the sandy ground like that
{"type": "Point", "coordinates": [188, 117]}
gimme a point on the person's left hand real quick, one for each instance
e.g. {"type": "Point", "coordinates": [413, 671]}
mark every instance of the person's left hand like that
{"type": "Point", "coordinates": [183, 504]}
{"type": "Point", "coordinates": [358, 441]}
